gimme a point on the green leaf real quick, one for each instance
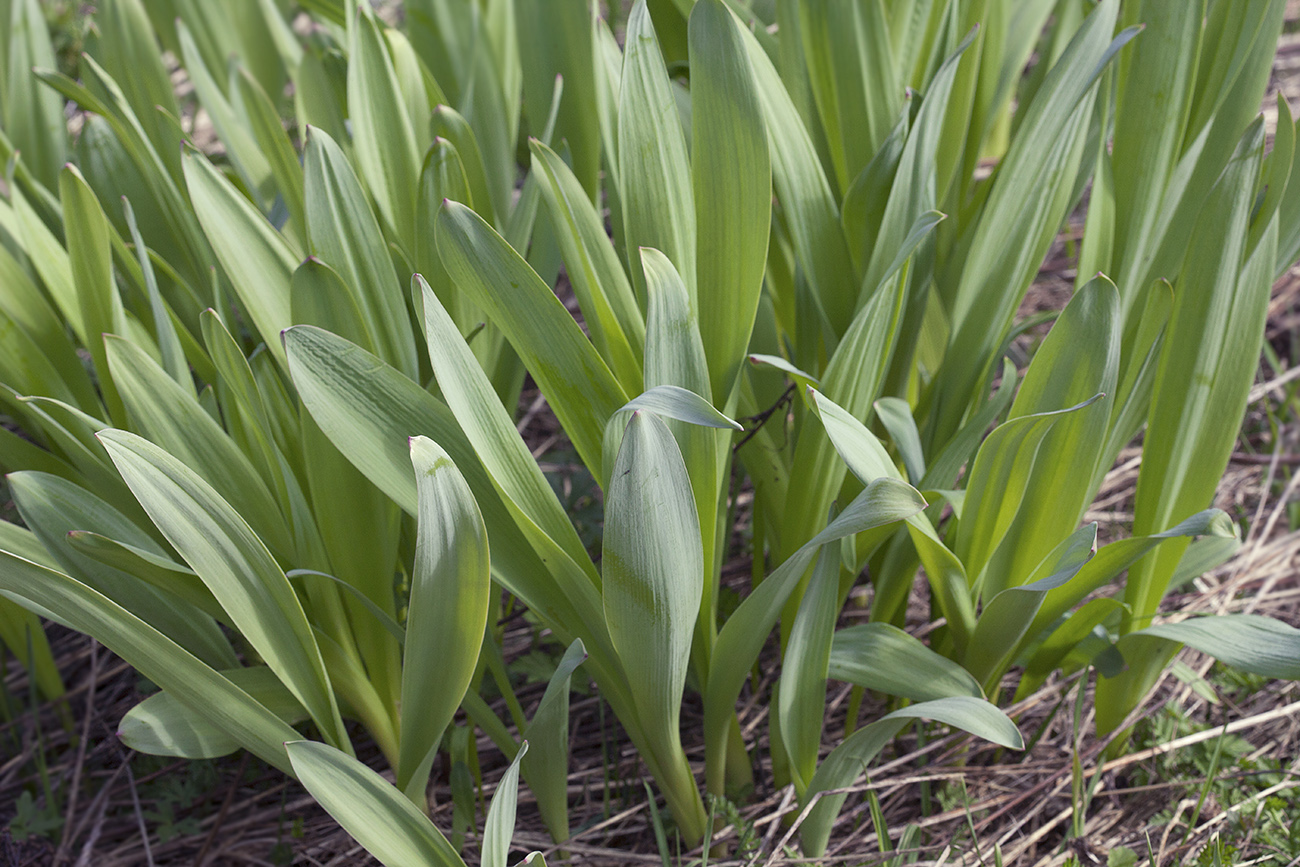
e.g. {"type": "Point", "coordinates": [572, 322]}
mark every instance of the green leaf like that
{"type": "Point", "coordinates": [235, 565]}
{"type": "Point", "coordinates": [608, 304]}
{"type": "Point", "coordinates": [342, 232]}
{"type": "Point", "coordinates": [801, 699]}
{"type": "Point", "coordinates": [369, 808]}
{"type": "Point", "coordinates": [152, 654]}
{"type": "Point", "coordinates": [448, 608]}
{"type": "Point", "coordinates": [242, 148]}
{"type": "Point", "coordinates": [254, 256]}
{"type": "Point", "coordinates": [997, 482]}
{"type": "Point", "coordinates": [382, 132]}
{"type": "Point", "coordinates": [55, 509]}
{"type": "Point", "coordinates": [654, 170]}
{"type": "Point", "coordinates": [162, 725]}
{"type": "Point", "coordinates": [849, 759]}
{"type": "Point", "coordinates": [1007, 616]}
{"type": "Point", "coordinates": [88, 237]}
{"type": "Point", "coordinates": [1058, 645]}
{"type": "Point", "coordinates": [33, 116]}
{"type": "Point", "coordinates": [651, 558]}
{"type": "Point", "coordinates": [160, 571]}
{"type": "Point", "coordinates": [451, 125]}
{"type": "Point", "coordinates": [370, 411]}
{"type": "Point", "coordinates": [732, 179]}
{"type": "Point", "coordinates": [801, 378]}
{"type": "Point", "coordinates": [805, 195]}
{"type": "Point", "coordinates": [165, 413]}
{"type": "Point", "coordinates": [503, 452]}
{"type": "Point", "coordinates": [169, 343]}
{"type": "Point", "coordinates": [853, 79]}
{"type": "Point", "coordinates": [883, 502]}
{"type": "Point", "coordinates": [500, 824]}
{"type": "Point", "coordinates": [880, 656]}
{"type": "Point", "coordinates": [1121, 554]}
{"type": "Point", "coordinates": [1079, 358]}
{"type": "Point", "coordinates": [269, 133]}
{"type": "Point", "coordinates": [1027, 201]}
{"type": "Point", "coordinates": [896, 416]}
{"type": "Point", "coordinates": [1254, 644]}
{"type": "Point", "coordinates": [557, 42]}
{"type": "Point", "coordinates": [673, 402]}
{"type": "Point", "coordinates": [576, 382]}
{"type": "Point", "coordinates": [546, 767]}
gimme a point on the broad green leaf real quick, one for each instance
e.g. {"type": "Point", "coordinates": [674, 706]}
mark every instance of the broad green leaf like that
{"type": "Point", "coordinates": [499, 826]}
{"type": "Point", "coordinates": [87, 231]}
{"type": "Point", "coordinates": [801, 700]}
{"type": "Point", "coordinates": [1079, 358]}
{"type": "Point", "coordinates": [944, 469]}
{"type": "Point", "coordinates": [546, 767]}
{"type": "Point", "coordinates": [318, 296]}
{"type": "Point", "coordinates": [883, 502]}
{"type": "Point", "coordinates": [882, 657]}
{"type": "Point", "coordinates": [558, 41]}
{"type": "Point", "coordinates": [1152, 108]}
{"type": "Point", "coordinates": [853, 79]}
{"type": "Point", "coordinates": [576, 382]}
{"type": "Point", "coordinates": [269, 133]}
{"type": "Point", "coordinates": [382, 132]}
{"type": "Point", "coordinates": [160, 571]}
{"type": "Point", "coordinates": [233, 562]}
{"type": "Point", "coordinates": [166, 414]}
{"type": "Point", "coordinates": [674, 402]}
{"type": "Point", "coordinates": [442, 177]}
{"type": "Point", "coordinates": [128, 49]}
{"type": "Point", "coordinates": [370, 411]}
{"type": "Point", "coordinates": [162, 725]}
{"type": "Point", "coordinates": [802, 379]}
{"type": "Point", "coordinates": [56, 509]}
{"type": "Point", "coordinates": [503, 452]}
{"type": "Point", "coordinates": [1027, 201]}
{"type": "Point", "coordinates": [1007, 616]}
{"type": "Point", "coordinates": [246, 413]}
{"type": "Point", "coordinates": [651, 559]}
{"type": "Point", "coordinates": [152, 654]}
{"type": "Point", "coordinates": [852, 379]}
{"type": "Point", "coordinates": [804, 192]}
{"type": "Point", "coordinates": [343, 233]}
{"type": "Point", "coordinates": [849, 759]}
{"type": "Point", "coordinates": [1254, 644]}
{"type": "Point", "coordinates": [732, 180]}
{"type": "Point", "coordinates": [253, 255]}
{"type": "Point", "coordinates": [1121, 554]}
{"type": "Point", "coordinates": [30, 309]}
{"type": "Point", "coordinates": [608, 304]}
{"type": "Point", "coordinates": [193, 255]}
{"type": "Point", "coordinates": [448, 608]}
{"type": "Point", "coordinates": [26, 368]}
{"type": "Point", "coordinates": [451, 125]}
{"type": "Point", "coordinates": [247, 157]}
{"type": "Point", "coordinates": [896, 416]}
{"type": "Point", "coordinates": [33, 116]}
{"type": "Point", "coordinates": [369, 808]}
{"type": "Point", "coordinates": [654, 169]}
{"type": "Point", "coordinates": [997, 482]}
{"type": "Point", "coordinates": [913, 191]}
